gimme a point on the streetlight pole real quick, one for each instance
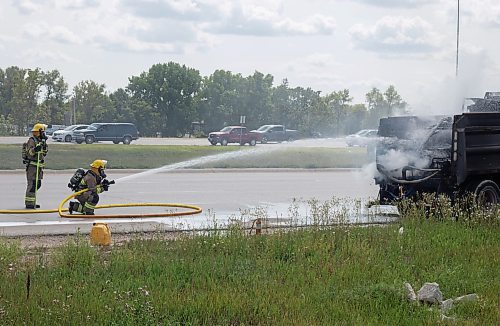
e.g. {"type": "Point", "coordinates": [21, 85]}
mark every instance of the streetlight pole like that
{"type": "Point", "coordinates": [458, 36]}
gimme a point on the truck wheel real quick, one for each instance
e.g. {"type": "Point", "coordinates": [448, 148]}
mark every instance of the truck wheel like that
{"type": "Point", "coordinates": [264, 140]}
{"type": "Point", "coordinates": [213, 143]}
{"type": "Point", "coordinates": [67, 138]}
{"type": "Point", "coordinates": [89, 139]}
{"type": "Point", "coordinates": [253, 142]}
{"type": "Point", "coordinates": [223, 142]}
{"type": "Point", "coordinates": [485, 191]}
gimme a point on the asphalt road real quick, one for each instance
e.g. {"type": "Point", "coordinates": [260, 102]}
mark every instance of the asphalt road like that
{"type": "Point", "coordinates": [320, 142]}
{"type": "Point", "coordinates": [223, 195]}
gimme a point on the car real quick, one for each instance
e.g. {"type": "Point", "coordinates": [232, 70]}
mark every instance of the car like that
{"type": "Point", "coordinates": [362, 138]}
{"type": "Point", "coordinates": [52, 128]}
{"type": "Point", "coordinates": [66, 134]}
{"type": "Point", "coordinates": [275, 133]}
{"type": "Point", "coordinates": [103, 131]}
{"type": "Point", "coordinates": [232, 134]}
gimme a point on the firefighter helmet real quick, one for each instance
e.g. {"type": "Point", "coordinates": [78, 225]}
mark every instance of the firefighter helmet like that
{"type": "Point", "coordinates": [99, 164]}
{"type": "Point", "coordinates": [39, 127]}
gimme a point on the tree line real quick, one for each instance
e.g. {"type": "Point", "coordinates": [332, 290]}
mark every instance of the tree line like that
{"type": "Point", "coordinates": [169, 97]}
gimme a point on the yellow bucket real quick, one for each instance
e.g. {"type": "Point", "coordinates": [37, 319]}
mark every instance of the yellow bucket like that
{"type": "Point", "coordinates": [100, 234]}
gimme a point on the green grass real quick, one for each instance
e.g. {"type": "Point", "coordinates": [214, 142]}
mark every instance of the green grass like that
{"type": "Point", "coordinates": [345, 275]}
{"type": "Point", "coordinates": [146, 157]}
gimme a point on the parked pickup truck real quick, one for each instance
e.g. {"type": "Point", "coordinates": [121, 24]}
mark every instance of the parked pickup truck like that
{"type": "Point", "coordinates": [275, 133]}
{"type": "Point", "coordinates": [234, 134]}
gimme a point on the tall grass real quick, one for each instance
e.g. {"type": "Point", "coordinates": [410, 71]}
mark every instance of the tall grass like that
{"type": "Point", "coordinates": [342, 275]}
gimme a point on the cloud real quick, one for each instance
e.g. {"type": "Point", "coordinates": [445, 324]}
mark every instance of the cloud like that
{"type": "Point", "coordinates": [397, 3]}
{"type": "Point", "coordinates": [38, 55]}
{"type": "Point", "coordinates": [57, 33]}
{"type": "Point", "coordinates": [260, 21]}
{"type": "Point", "coordinates": [396, 36]}
{"type": "Point", "coordinates": [177, 10]}
{"type": "Point", "coordinates": [76, 4]}
{"type": "Point", "coordinates": [130, 44]}
{"type": "Point", "coordinates": [484, 12]}
{"type": "Point", "coordinates": [27, 7]}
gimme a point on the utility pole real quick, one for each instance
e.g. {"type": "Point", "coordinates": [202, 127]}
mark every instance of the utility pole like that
{"type": "Point", "coordinates": [458, 36]}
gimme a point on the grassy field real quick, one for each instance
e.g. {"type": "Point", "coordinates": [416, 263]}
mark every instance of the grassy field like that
{"type": "Point", "coordinates": [345, 275]}
{"type": "Point", "coordinates": [145, 157]}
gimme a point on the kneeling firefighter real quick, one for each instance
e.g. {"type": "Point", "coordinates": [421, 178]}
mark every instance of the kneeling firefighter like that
{"type": "Point", "coordinates": [93, 180]}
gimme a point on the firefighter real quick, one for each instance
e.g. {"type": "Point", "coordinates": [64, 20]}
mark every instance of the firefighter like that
{"type": "Point", "coordinates": [93, 180]}
{"type": "Point", "coordinates": [34, 152]}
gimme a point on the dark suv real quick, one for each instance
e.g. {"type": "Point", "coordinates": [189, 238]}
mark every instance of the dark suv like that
{"type": "Point", "coordinates": [115, 132]}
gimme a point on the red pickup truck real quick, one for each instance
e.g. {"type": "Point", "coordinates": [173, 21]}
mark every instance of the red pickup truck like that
{"type": "Point", "coordinates": [234, 134]}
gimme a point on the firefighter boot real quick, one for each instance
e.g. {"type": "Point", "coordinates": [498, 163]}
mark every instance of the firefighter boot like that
{"type": "Point", "coordinates": [72, 206]}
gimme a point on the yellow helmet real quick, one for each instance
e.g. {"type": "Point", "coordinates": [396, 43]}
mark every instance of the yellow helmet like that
{"type": "Point", "coordinates": [39, 127]}
{"type": "Point", "coordinates": [99, 164]}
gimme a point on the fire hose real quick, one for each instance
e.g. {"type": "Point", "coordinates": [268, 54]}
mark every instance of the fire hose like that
{"type": "Point", "coordinates": [403, 181]}
{"type": "Point", "coordinates": [192, 210]}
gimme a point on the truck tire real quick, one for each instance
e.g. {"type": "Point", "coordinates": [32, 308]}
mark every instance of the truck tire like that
{"type": "Point", "coordinates": [253, 142]}
{"type": "Point", "coordinates": [485, 191]}
{"type": "Point", "coordinates": [89, 139]}
{"type": "Point", "coordinates": [223, 142]}
{"type": "Point", "coordinates": [264, 140]}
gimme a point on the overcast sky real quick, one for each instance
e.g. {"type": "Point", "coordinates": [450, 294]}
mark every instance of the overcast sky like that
{"type": "Point", "coordinates": [323, 44]}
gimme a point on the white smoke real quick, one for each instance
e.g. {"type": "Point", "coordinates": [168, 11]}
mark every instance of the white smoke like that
{"type": "Point", "coordinates": [445, 95]}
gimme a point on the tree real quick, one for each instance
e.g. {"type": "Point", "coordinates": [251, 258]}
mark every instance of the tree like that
{"type": "Point", "coordinates": [170, 89]}
{"type": "Point", "coordinates": [137, 111]}
{"type": "Point", "coordinates": [383, 105]}
{"type": "Point", "coordinates": [54, 97]}
{"type": "Point", "coordinates": [339, 103]}
{"type": "Point", "coordinates": [376, 107]}
{"type": "Point", "coordinates": [218, 99]}
{"type": "Point", "coordinates": [281, 104]}
{"type": "Point", "coordinates": [23, 105]}
{"type": "Point", "coordinates": [255, 95]}
{"type": "Point", "coordinates": [92, 103]}
{"type": "Point", "coordinates": [395, 103]}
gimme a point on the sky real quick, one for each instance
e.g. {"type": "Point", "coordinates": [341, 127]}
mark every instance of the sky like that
{"type": "Point", "coordinates": [327, 45]}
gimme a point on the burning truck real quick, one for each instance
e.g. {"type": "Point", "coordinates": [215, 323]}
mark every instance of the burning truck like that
{"type": "Point", "coordinates": [449, 155]}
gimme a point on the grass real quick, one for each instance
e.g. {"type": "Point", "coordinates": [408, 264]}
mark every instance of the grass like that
{"type": "Point", "coordinates": [316, 276]}
{"type": "Point", "coordinates": [146, 157]}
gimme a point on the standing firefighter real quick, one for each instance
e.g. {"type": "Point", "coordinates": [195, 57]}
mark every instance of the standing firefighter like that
{"type": "Point", "coordinates": [34, 152]}
{"type": "Point", "coordinates": [93, 180]}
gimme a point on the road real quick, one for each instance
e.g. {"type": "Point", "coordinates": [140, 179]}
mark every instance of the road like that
{"type": "Point", "coordinates": [319, 142]}
{"type": "Point", "coordinates": [223, 195]}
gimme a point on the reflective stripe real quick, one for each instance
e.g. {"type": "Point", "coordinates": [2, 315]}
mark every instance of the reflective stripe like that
{"type": "Point", "coordinates": [42, 165]}
{"type": "Point", "coordinates": [89, 205]}
{"type": "Point", "coordinates": [33, 199]}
